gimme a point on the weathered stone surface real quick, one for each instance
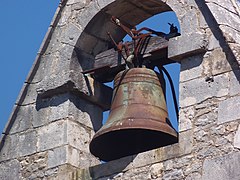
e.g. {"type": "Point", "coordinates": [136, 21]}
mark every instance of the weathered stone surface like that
{"type": "Point", "coordinates": [215, 62]}
{"type": "Point", "coordinates": [191, 68]}
{"type": "Point", "coordinates": [61, 172]}
{"type": "Point", "coordinates": [180, 47]}
{"type": "Point", "coordinates": [78, 136]}
{"type": "Point", "coordinates": [33, 166]}
{"type": "Point", "coordinates": [231, 20]}
{"type": "Point", "coordinates": [134, 173]}
{"type": "Point", "coordinates": [88, 13]}
{"type": "Point", "coordinates": [28, 95]}
{"type": "Point", "coordinates": [185, 119]}
{"type": "Point", "coordinates": [9, 149]}
{"type": "Point", "coordinates": [103, 3]}
{"type": "Point", "coordinates": [156, 170]}
{"type": "Point", "coordinates": [51, 109]}
{"type": "Point", "coordinates": [194, 176]}
{"type": "Point", "coordinates": [58, 133]}
{"type": "Point", "coordinates": [236, 51]}
{"type": "Point", "coordinates": [236, 142]}
{"type": "Point", "coordinates": [222, 168]}
{"type": "Point", "coordinates": [198, 90]}
{"type": "Point", "coordinates": [175, 174]}
{"type": "Point", "coordinates": [57, 156]}
{"type": "Point", "coordinates": [23, 119]}
{"type": "Point", "coordinates": [235, 82]}
{"type": "Point", "coordinates": [70, 34]}
{"type": "Point", "coordinates": [232, 35]}
{"type": "Point", "coordinates": [213, 43]}
{"type": "Point", "coordinates": [85, 113]}
{"type": "Point", "coordinates": [19, 145]}
{"type": "Point", "coordinates": [10, 170]}
{"type": "Point", "coordinates": [229, 110]}
{"type": "Point", "coordinates": [42, 68]}
{"type": "Point", "coordinates": [27, 143]}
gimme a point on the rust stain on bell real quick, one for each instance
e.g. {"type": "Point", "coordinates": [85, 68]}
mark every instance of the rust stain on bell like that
{"type": "Point", "coordinates": [138, 120]}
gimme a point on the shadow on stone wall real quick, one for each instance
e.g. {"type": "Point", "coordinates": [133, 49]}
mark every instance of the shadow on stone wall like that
{"type": "Point", "coordinates": [217, 32]}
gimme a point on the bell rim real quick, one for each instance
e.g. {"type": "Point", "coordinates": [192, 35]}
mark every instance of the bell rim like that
{"type": "Point", "coordinates": [154, 125]}
{"type": "Point", "coordinates": [107, 154]}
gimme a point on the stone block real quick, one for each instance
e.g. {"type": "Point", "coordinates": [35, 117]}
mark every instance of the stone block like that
{"type": "Point", "coordinates": [70, 155]}
{"type": "Point", "coordinates": [28, 94]}
{"type": "Point", "coordinates": [191, 68]}
{"type": "Point", "coordinates": [27, 143]}
{"type": "Point", "coordinates": [234, 82]}
{"type": "Point", "coordinates": [73, 156]}
{"type": "Point", "coordinates": [57, 156]}
{"type": "Point", "coordinates": [180, 47]}
{"type": "Point", "coordinates": [229, 110]}
{"type": "Point", "coordinates": [23, 120]}
{"type": "Point", "coordinates": [87, 160]}
{"type": "Point", "coordinates": [215, 62]}
{"type": "Point", "coordinates": [52, 135]}
{"type": "Point", "coordinates": [236, 142]}
{"type": "Point", "coordinates": [66, 14]}
{"type": "Point", "coordinates": [51, 109]}
{"type": "Point", "coordinates": [18, 145]}
{"type": "Point", "coordinates": [213, 43]}
{"type": "Point", "coordinates": [198, 90]}
{"type": "Point", "coordinates": [88, 13]}
{"type": "Point", "coordinates": [222, 168]}
{"type": "Point", "coordinates": [85, 113]}
{"type": "Point", "coordinates": [231, 20]}
{"type": "Point", "coordinates": [10, 147]}
{"type": "Point", "coordinates": [70, 34]}
{"type": "Point", "coordinates": [10, 170]}
{"type": "Point", "coordinates": [78, 136]}
{"type": "Point", "coordinates": [40, 69]}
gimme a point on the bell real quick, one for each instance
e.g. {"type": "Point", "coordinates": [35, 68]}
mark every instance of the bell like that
{"type": "Point", "coordinates": [138, 119]}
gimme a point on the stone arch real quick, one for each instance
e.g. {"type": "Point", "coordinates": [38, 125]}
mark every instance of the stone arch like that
{"type": "Point", "coordinates": [94, 21]}
{"type": "Point", "coordinates": [95, 24]}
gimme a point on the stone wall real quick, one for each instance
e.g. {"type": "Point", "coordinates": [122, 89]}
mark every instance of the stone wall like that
{"type": "Point", "coordinates": [59, 109]}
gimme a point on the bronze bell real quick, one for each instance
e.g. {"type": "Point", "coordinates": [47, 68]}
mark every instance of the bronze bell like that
{"type": "Point", "coordinates": [138, 119]}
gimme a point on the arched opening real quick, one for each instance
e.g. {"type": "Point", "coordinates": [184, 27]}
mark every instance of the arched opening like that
{"type": "Point", "coordinates": [95, 38]}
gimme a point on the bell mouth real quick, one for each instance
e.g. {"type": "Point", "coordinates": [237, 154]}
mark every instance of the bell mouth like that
{"type": "Point", "coordinates": [131, 137]}
{"type": "Point", "coordinates": [125, 142]}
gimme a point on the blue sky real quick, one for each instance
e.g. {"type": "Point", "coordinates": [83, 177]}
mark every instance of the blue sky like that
{"type": "Point", "coordinates": [23, 27]}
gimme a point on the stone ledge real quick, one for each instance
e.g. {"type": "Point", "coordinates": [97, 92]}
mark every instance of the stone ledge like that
{"type": "Point", "coordinates": [185, 46]}
{"type": "Point", "coordinates": [117, 166]}
{"type": "Point", "coordinates": [90, 89]}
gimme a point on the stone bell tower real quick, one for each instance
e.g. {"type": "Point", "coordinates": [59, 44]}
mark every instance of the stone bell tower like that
{"type": "Point", "coordinates": [60, 107]}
